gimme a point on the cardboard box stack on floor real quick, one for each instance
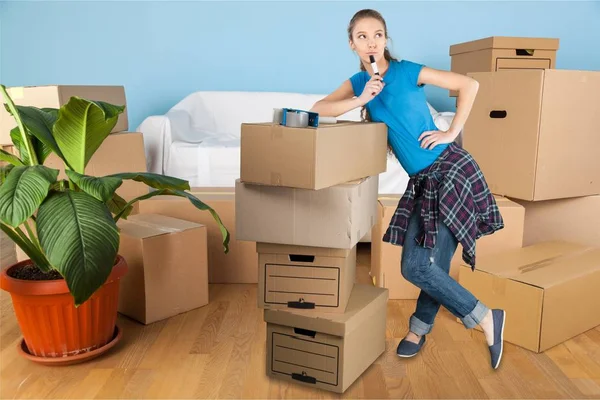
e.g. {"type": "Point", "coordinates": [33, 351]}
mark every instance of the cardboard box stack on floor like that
{"type": "Point", "coordinates": [167, 257]}
{"type": "Point", "coordinates": [306, 196]}
{"type": "Point", "coordinates": [531, 130]}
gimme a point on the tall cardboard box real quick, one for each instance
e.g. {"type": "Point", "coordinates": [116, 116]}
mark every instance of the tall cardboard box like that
{"type": "Point", "coordinates": [530, 132]}
{"type": "Point", "coordinates": [302, 277]}
{"type": "Point", "coordinates": [312, 158]}
{"type": "Point", "coordinates": [167, 262]}
{"type": "Point", "coordinates": [498, 53]}
{"type": "Point", "coordinates": [549, 291]}
{"type": "Point", "coordinates": [240, 264]}
{"type": "Point", "coordinates": [55, 96]}
{"type": "Point", "coordinates": [325, 350]}
{"type": "Point", "coordinates": [334, 217]}
{"type": "Point", "coordinates": [575, 219]}
{"type": "Point", "coordinates": [386, 257]}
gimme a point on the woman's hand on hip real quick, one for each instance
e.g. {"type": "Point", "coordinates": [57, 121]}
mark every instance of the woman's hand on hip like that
{"type": "Point", "coordinates": [430, 139]}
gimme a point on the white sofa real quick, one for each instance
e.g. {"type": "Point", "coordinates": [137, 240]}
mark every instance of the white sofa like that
{"type": "Point", "coordinates": [199, 138]}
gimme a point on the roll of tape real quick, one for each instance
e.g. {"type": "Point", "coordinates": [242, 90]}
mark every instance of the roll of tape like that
{"type": "Point", "coordinates": [297, 119]}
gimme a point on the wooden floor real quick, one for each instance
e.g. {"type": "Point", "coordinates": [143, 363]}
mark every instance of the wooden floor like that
{"type": "Point", "coordinates": [218, 351]}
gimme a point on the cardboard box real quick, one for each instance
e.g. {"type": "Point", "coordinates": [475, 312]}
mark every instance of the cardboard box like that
{"type": "Point", "coordinates": [240, 264]}
{"type": "Point", "coordinates": [312, 158]}
{"type": "Point", "coordinates": [530, 132]}
{"type": "Point", "coordinates": [574, 220]}
{"type": "Point", "coordinates": [501, 53]}
{"type": "Point", "coordinates": [336, 217]}
{"type": "Point", "coordinates": [325, 350]}
{"type": "Point", "coordinates": [549, 291]}
{"type": "Point", "coordinates": [302, 277]}
{"type": "Point", "coordinates": [386, 257]}
{"type": "Point", "coordinates": [167, 260]}
{"type": "Point", "coordinates": [55, 96]}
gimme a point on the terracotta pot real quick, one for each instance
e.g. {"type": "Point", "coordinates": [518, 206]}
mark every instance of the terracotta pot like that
{"type": "Point", "coordinates": [51, 324]}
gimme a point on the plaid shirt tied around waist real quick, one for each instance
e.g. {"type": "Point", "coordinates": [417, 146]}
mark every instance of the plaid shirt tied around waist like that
{"type": "Point", "coordinates": [454, 189]}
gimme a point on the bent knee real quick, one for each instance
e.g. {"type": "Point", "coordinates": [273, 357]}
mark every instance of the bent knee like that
{"type": "Point", "coordinates": [414, 268]}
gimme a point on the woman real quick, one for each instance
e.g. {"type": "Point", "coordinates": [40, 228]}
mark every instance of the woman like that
{"type": "Point", "coordinates": [447, 200]}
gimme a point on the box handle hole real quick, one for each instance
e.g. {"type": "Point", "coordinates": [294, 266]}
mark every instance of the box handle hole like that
{"type": "Point", "coordinates": [305, 332]}
{"type": "Point", "coordinates": [498, 114]}
{"type": "Point", "coordinates": [303, 377]}
{"type": "Point", "coordinates": [301, 258]}
{"type": "Point", "coordinates": [524, 52]}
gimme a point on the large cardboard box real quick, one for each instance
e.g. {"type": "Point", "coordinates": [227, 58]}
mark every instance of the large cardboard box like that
{"type": "Point", "coordinates": [574, 220]}
{"type": "Point", "coordinates": [336, 217]}
{"type": "Point", "coordinates": [549, 291]}
{"type": "Point", "coordinates": [326, 350]}
{"type": "Point", "coordinates": [167, 262]}
{"type": "Point", "coordinates": [55, 96]}
{"type": "Point", "coordinates": [240, 264]}
{"type": "Point", "coordinates": [386, 257]}
{"type": "Point", "coordinates": [312, 158]}
{"type": "Point", "coordinates": [497, 53]}
{"type": "Point", "coordinates": [530, 132]}
{"type": "Point", "coordinates": [305, 277]}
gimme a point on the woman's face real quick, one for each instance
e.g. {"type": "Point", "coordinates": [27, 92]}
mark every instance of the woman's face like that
{"type": "Point", "coordinates": [368, 38]}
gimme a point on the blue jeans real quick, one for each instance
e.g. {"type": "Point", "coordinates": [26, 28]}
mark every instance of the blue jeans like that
{"type": "Point", "coordinates": [429, 269]}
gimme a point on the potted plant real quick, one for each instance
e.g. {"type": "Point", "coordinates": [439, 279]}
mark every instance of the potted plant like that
{"type": "Point", "coordinates": [65, 295]}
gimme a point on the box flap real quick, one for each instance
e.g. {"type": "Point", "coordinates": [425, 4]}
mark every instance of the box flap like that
{"type": "Point", "coordinates": [364, 301]}
{"type": "Point", "coordinates": [273, 248]}
{"type": "Point", "coordinates": [505, 42]}
{"type": "Point", "coordinates": [544, 264]}
{"type": "Point", "coordinates": [389, 200]}
{"type": "Point", "coordinates": [145, 226]}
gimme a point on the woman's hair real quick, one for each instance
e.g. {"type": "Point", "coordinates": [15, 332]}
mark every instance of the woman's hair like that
{"type": "Point", "coordinates": [369, 13]}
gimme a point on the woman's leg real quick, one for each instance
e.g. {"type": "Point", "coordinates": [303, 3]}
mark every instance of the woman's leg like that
{"type": "Point", "coordinates": [428, 269]}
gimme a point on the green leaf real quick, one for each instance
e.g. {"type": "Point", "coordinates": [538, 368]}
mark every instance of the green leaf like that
{"type": "Point", "coordinates": [195, 201]}
{"type": "Point", "coordinates": [80, 238]}
{"type": "Point", "coordinates": [81, 127]}
{"type": "Point", "coordinates": [155, 181]}
{"type": "Point", "coordinates": [39, 124]}
{"type": "Point", "coordinates": [12, 110]}
{"type": "Point", "coordinates": [10, 158]}
{"type": "Point", "coordinates": [118, 206]}
{"type": "Point", "coordinates": [101, 188]}
{"type": "Point", "coordinates": [38, 258]}
{"type": "Point", "coordinates": [23, 191]}
{"type": "Point", "coordinates": [41, 150]}
{"type": "Point", "coordinates": [4, 171]}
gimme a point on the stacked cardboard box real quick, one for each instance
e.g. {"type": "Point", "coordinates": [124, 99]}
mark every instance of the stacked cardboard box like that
{"type": "Point", "coordinates": [530, 131]}
{"type": "Point", "coordinates": [166, 256]}
{"type": "Point", "coordinates": [306, 196]}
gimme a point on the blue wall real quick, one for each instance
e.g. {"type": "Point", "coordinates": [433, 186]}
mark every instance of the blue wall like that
{"type": "Point", "coordinates": [162, 51]}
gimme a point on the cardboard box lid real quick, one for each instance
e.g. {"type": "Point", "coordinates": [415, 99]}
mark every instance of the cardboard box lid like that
{"type": "Point", "coordinates": [321, 127]}
{"type": "Point", "coordinates": [363, 302]}
{"type": "Point", "coordinates": [544, 264]}
{"type": "Point", "coordinates": [505, 42]}
{"type": "Point", "coordinates": [143, 226]}
{"type": "Point", "coordinates": [273, 248]}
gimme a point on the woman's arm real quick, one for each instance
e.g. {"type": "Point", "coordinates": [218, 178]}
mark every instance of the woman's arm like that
{"type": "Point", "coordinates": [337, 103]}
{"type": "Point", "coordinates": [342, 99]}
{"type": "Point", "coordinates": [467, 90]}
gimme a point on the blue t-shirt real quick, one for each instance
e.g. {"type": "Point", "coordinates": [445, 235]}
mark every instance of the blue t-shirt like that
{"type": "Point", "coordinates": [402, 106]}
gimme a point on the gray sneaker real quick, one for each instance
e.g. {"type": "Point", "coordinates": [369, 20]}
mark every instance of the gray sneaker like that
{"type": "Point", "coordinates": [498, 317]}
{"type": "Point", "coordinates": [408, 349]}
